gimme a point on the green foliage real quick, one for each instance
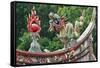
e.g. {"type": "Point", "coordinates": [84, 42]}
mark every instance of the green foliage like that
{"type": "Point", "coordinates": [25, 41]}
{"type": "Point", "coordinates": [51, 45]}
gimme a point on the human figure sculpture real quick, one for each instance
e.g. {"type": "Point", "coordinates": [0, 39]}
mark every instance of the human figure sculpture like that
{"type": "Point", "coordinates": [34, 29]}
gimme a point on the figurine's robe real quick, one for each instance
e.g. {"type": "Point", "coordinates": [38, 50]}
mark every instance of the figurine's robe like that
{"type": "Point", "coordinates": [35, 46]}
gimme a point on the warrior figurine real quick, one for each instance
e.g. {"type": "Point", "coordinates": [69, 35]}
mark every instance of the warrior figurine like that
{"type": "Point", "coordinates": [34, 29]}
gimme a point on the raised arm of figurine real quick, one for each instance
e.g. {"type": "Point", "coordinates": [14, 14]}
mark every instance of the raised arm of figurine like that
{"type": "Point", "coordinates": [29, 23]}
